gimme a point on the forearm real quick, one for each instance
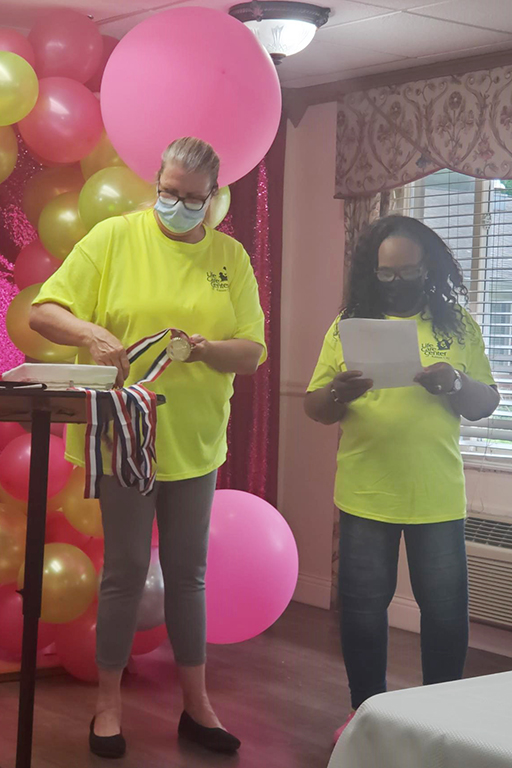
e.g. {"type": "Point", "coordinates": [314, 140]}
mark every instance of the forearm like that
{"type": "Point", "coordinates": [475, 400]}
{"type": "Point", "coordinates": [321, 406]}
{"type": "Point", "coordinates": [59, 325]}
{"type": "Point", "coordinates": [233, 356]}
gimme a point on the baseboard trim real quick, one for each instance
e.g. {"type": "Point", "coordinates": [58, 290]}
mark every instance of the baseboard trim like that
{"type": "Point", "coordinates": [313, 590]}
{"type": "Point", "coordinates": [405, 614]}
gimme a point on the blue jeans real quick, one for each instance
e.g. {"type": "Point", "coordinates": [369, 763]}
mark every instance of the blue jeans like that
{"type": "Point", "coordinates": [436, 554]}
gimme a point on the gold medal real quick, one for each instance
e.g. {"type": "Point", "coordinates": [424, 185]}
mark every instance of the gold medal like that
{"type": "Point", "coordinates": [179, 348]}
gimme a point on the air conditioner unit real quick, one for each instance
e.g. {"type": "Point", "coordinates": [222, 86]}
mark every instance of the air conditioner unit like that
{"type": "Point", "coordinates": [489, 548]}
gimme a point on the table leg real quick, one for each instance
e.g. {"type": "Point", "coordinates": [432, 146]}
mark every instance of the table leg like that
{"type": "Point", "coordinates": [32, 588]}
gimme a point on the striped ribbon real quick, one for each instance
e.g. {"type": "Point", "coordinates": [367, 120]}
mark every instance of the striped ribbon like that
{"type": "Point", "coordinates": [133, 414]}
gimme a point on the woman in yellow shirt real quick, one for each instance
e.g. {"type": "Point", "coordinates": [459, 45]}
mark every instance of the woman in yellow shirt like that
{"type": "Point", "coordinates": [129, 278]}
{"type": "Point", "coordinates": [399, 463]}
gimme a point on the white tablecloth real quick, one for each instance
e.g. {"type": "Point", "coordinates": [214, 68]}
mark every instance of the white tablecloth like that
{"type": "Point", "coordinates": [465, 724]}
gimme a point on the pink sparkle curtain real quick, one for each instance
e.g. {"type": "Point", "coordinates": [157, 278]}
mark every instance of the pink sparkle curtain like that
{"type": "Point", "coordinates": [255, 219]}
{"type": "Point", "coordinates": [15, 232]}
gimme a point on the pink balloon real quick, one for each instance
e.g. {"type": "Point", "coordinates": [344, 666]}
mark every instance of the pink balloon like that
{"type": "Point", "coordinates": [253, 567]}
{"type": "Point", "coordinates": [148, 641]}
{"type": "Point", "coordinates": [109, 43]}
{"type": "Point", "coordinates": [75, 644]}
{"type": "Point", "coordinates": [191, 71]}
{"type": "Point", "coordinates": [15, 42]}
{"type": "Point", "coordinates": [65, 124]}
{"type": "Point", "coordinates": [59, 531]}
{"type": "Point", "coordinates": [15, 467]}
{"type": "Point", "coordinates": [9, 431]}
{"type": "Point", "coordinates": [34, 265]}
{"type": "Point", "coordinates": [66, 44]}
{"type": "Point", "coordinates": [11, 624]}
{"type": "Point", "coordinates": [94, 550]}
{"type": "Point", "coordinates": [58, 429]}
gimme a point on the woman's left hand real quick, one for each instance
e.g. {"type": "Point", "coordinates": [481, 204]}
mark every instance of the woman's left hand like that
{"type": "Point", "coordinates": [437, 379]}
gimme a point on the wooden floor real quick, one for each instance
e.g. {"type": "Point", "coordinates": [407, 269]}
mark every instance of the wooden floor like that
{"type": "Point", "coordinates": [283, 694]}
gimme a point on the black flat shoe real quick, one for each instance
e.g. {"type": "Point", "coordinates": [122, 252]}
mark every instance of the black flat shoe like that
{"type": "Point", "coordinates": [214, 739]}
{"type": "Point", "coordinates": [106, 746]}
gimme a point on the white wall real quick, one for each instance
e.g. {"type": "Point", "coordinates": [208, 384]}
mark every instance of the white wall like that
{"type": "Point", "coordinates": [313, 241]}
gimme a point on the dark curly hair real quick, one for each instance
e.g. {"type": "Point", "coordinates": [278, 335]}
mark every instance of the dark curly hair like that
{"type": "Point", "coordinates": [444, 284]}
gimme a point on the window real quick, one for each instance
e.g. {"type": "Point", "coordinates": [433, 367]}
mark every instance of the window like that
{"type": "Point", "coordinates": [475, 218]}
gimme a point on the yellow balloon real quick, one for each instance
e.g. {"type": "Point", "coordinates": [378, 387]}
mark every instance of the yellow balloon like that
{"type": "Point", "coordinates": [47, 184]}
{"type": "Point", "coordinates": [30, 342]}
{"type": "Point", "coordinates": [219, 207]}
{"type": "Point", "coordinates": [102, 156]}
{"type": "Point", "coordinates": [69, 583]}
{"type": "Point", "coordinates": [83, 514]}
{"type": "Point", "coordinates": [19, 88]}
{"type": "Point", "coordinates": [8, 151]}
{"type": "Point", "coordinates": [13, 529]}
{"type": "Point", "coordinates": [60, 226]}
{"type": "Point", "coordinates": [112, 192]}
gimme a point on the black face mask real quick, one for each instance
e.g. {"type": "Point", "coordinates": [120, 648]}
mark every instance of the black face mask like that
{"type": "Point", "coordinates": [402, 295]}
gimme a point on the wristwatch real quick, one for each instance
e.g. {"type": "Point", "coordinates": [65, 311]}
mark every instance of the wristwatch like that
{"type": "Point", "coordinates": [457, 384]}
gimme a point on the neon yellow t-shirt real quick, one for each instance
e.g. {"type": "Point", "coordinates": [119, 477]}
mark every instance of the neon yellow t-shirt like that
{"type": "Point", "coordinates": [131, 279]}
{"type": "Point", "coordinates": [399, 459]}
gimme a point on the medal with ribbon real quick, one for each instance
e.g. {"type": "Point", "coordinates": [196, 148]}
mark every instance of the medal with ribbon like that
{"type": "Point", "coordinates": [134, 420]}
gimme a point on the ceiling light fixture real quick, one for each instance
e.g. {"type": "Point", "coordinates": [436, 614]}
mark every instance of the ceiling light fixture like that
{"type": "Point", "coordinates": [283, 27]}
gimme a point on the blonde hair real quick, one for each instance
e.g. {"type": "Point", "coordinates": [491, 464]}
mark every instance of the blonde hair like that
{"type": "Point", "coordinates": [193, 155]}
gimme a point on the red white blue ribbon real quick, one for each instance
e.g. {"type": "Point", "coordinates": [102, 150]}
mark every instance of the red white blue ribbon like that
{"type": "Point", "coordinates": [133, 413]}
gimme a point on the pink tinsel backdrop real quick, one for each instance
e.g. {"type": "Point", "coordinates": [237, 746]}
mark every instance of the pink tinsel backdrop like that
{"type": "Point", "coordinates": [15, 232]}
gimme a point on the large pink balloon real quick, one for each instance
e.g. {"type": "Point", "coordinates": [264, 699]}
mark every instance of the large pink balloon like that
{"type": "Point", "coordinates": [109, 43]}
{"type": "Point", "coordinates": [9, 431]}
{"type": "Point", "coordinates": [66, 44]}
{"type": "Point", "coordinates": [34, 265]}
{"type": "Point", "coordinates": [15, 42]}
{"type": "Point", "coordinates": [253, 567]}
{"type": "Point", "coordinates": [15, 467]}
{"type": "Point", "coordinates": [11, 623]}
{"type": "Point", "coordinates": [191, 72]}
{"type": "Point", "coordinates": [65, 123]}
{"type": "Point", "coordinates": [75, 644]}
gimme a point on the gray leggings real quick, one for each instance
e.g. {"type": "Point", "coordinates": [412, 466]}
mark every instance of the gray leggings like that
{"type": "Point", "coordinates": [183, 513]}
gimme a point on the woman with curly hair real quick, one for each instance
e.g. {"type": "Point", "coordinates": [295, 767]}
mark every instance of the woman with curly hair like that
{"type": "Point", "coordinates": [399, 464]}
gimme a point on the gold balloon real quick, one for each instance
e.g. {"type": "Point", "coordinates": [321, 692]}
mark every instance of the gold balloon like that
{"type": "Point", "coordinates": [60, 226]}
{"type": "Point", "coordinates": [30, 342]}
{"type": "Point", "coordinates": [102, 156]}
{"type": "Point", "coordinates": [69, 583]}
{"type": "Point", "coordinates": [19, 88]}
{"type": "Point", "coordinates": [8, 151]}
{"type": "Point", "coordinates": [46, 185]}
{"type": "Point", "coordinates": [13, 530]}
{"type": "Point", "coordinates": [219, 207]}
{"type": "Point", "coordinates": [83, 514]}
{"type": "Point", "coordinates": [112, 192]}
{"type": "Point", "coordinates": [9, 501]}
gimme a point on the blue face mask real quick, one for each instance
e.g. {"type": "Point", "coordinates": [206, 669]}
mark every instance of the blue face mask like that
{"type": "Point", "coordinates": [176, 218]}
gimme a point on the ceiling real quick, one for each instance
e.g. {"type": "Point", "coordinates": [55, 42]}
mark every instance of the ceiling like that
{"type": "Point", "coordinates": [361, 38]}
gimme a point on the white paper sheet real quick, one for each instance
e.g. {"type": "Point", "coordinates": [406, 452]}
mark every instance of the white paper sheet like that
{"type": "Point", "coordinates": [386, 351]}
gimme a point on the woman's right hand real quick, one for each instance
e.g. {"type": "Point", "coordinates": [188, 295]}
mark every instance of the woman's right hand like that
{"type": "Point", "coordinates": [106, 349]}
{"type": "Point", "coordinates": [349, 386]}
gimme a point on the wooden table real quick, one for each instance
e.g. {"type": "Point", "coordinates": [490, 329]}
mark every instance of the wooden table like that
{"type": "Point", "coordinates": [40, 407]}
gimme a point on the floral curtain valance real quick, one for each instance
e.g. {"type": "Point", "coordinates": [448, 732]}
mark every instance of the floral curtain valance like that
{"type": "Point", "coordinates": [389, 136]}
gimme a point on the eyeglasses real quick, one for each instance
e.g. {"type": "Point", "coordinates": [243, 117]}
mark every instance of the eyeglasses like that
{"type": "Point", "coordinates": [190, 203]}
{"type": "Point", "coordinates": [407, 274]}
